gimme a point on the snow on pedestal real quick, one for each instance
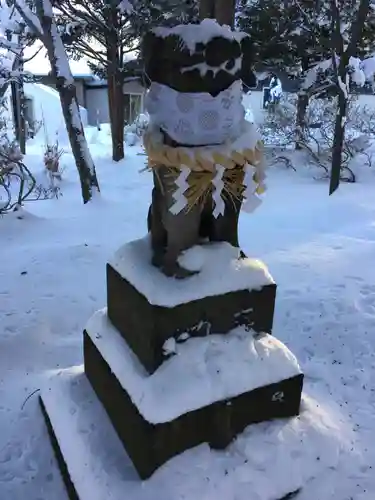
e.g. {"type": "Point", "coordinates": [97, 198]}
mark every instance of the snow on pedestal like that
{"type": "Point", "coordinates": [220, 271]}
{"type": "Point", "coordinates": [266, 462]}
{"type": "Point", "coordinates": [202, 371]}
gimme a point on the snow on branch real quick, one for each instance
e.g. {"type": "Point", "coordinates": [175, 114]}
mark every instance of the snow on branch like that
{"type": "Point", "coordinates": [9, 45]}
{"type": "Point", "coordinates": [29, 17]}
{"type": "Point", "coordinates": [47, 8]}
{"type": "Point", "coordinates": [125, 7]}
{"type": "Point", "coordinates": [360, 72]}
{"type": "Point", "coordinates": [368, 67]}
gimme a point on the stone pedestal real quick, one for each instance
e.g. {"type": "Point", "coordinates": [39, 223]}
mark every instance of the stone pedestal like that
{"type": "Point", "coordinates": [175, 365]}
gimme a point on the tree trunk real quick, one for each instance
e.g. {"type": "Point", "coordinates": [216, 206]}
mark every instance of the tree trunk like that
{"type": "Point", "coordinates": [341, 72]}
{"type": "Point", "coordinates": [115, 87]}
{"type": "Point", "coordinates": [225, 12]}
{"type": "Point", "coordinates": [18, 99]}
{"type": "Point", "coordinates": [23, 126]}
{"type": "Point", "coordinates": [338, 141]}
{"type": "Point", "coordinates": [77, 139]}
{"type": "Point", "coordinates": [116, 113]}
{"type": "Point", "coordinates": [18, 104]}
{"type": "Point", "coordinates": [206, 9]}
{"type": "Point", "coordinates": [66, 87]}
{"type": "Point", "coordinates": [302, 103]}
{"type": "Point", "coordinates": [3, 89]}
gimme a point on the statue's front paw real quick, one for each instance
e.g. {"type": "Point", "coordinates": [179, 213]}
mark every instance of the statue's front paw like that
{"type": "Point", "coordinates": [176, 271]}
{"type": "Point", "coordinates": [158, 259]}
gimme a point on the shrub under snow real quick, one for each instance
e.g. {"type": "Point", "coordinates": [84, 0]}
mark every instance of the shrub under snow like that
{"type": "Point", "coordinates": [279, 132]}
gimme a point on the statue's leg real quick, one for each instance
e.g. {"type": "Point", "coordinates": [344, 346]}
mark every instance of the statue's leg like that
{"type": "Point", "coordinates": [206, 219]}
{"type": "Point", "coordinates": [183, 233]}
{"type": "Point", "coordinates": [182, 229]}
{"type": "Point", "coordinates": [156, 227]}
{"type": "Point", "coordinates": [225, 227]}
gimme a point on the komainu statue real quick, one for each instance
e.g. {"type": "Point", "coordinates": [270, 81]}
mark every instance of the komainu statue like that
{"type": "Point", "coordinates": [205, 157]}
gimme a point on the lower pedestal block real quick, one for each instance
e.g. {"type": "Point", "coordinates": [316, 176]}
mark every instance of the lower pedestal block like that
{"type": "Point", "coordinates": [95, 466]}
{"type": "Point", "coordinates": [218, 401]}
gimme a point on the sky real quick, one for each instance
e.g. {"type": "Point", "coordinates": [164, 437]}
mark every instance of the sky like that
{"type": "Point", "coordinates": [40, 63]}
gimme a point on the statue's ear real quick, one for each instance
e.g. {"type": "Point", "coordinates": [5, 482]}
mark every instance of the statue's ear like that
{"type": "Point", "coordinates": [249, 79]}
{"type": "Point", "coordinates": [248, 76]}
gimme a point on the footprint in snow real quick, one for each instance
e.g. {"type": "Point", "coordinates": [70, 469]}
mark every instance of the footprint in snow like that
{"type": "Point", "coordinates": [366, 301]}
{"type": "Point", "coordinates": [367, 290]}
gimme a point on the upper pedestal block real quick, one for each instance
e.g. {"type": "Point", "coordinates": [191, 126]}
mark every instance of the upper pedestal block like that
{"type": "Point", "coordinates": [148, 308]}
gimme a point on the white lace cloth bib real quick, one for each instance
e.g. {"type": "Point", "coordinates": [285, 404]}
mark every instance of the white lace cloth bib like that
{"type": "Point", "coordinates": [196, 119]}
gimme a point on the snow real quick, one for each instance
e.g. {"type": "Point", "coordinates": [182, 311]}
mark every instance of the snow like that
{"type": "Point", "coordinates": [204, 67]}
{"type": "Point", "coordinates": [191, 34]}
{"type": "Point", "coordinates": [31, 19]}
{"type": "Point", "coordinates": [311, 75]}
{"type": "Point", "coordinates": [343, 87]}
{"type": "Point", "coordinates": [358, 75]}
{"type": "Point", "coordinates": [263, 463]}
{"type": "Point", "coordinates": [361, 71]}
{"type": "Point", "coordinates": [62, 61]}
{"type": "Point", "coordinates": [125, 7]}
{"type": "Point", "coordinates": [201, 373]}
{"type": "Point", "coordinates": [320, 250]}
{"type": "Point", "coordinates": [368, 66]}
{"type": "Point", "coordinates": [222, 271]}
{"type": "Point", "coordinates": [47, 109]}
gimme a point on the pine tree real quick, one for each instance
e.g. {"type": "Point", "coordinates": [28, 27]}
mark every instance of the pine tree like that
{"type": "Point", "coordinates": [107, 33]}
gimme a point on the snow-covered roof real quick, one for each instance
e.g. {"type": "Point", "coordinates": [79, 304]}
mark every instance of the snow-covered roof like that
{"type": "Point", "coordinates": [44, 88]}
{"type": "Point", "coordinates": [76, 76]}
{"type": "Point", "coordinates": [104, 83]}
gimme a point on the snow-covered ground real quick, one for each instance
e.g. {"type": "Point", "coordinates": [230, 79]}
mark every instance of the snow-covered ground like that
{"type": "Point", "coordinates": [321, 252]}
{"type": "Point", "coordinates": [255, 101]}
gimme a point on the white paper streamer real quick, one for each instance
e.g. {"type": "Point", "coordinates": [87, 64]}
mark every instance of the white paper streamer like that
{"type": "Point", "coordinates": [250, 185]}
{"type": "Point", "coordinates": [218, 183]}
{"type": "Point", "coordinates": [196, 119]}
{"type": "Point", "coordinates": [183, 185]}
{"type": "Point", "coordinates": [251, 201]}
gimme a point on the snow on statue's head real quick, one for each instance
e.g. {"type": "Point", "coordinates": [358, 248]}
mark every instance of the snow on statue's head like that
{"type": "Point", "coordinates": [203, 57]}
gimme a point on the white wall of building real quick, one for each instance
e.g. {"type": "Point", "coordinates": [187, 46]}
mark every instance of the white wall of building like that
{"type": "Point", "coordinates": [254, 100]}
{"type": "Point", "coordinates": [97, 105]}
{"type": "Point", "coordinates": [97, 101]}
